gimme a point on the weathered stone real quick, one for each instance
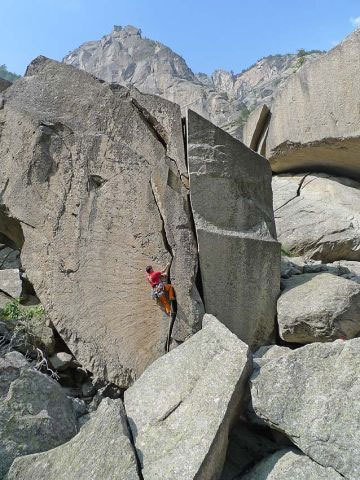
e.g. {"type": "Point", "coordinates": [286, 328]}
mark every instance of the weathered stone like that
{"type": "Point", "coordinates": [254, 127]}
{"type": "Point", "coordinates": [35, 414]}
{"type": "Point", "coordinates": [312, 395]}
{"type": "Point", "coordinates": [61, 361]}
{"type": "Point", "coordinates": [198, 388]}
{"type": "Point", "coordinates": [98, 197]}
{"type": "Point", "coordinates": [268, 353]}
{"type": "Point", "coordinates": [317, 216]}
{"type": "Point", "coordinates": [10, 282]}
{"type": "Point", "coordinates": [290, 464]}
{"type": "Point", "coordinates": [101, 450]}
{"type": "Point", "coordinates": [9, 258]}
{"type": "Point", "coordinates": [239, 255]}
{"type": "Point", "coordinates": [319, 308]}
{"type": "Point", "coordinates": [316, 128]}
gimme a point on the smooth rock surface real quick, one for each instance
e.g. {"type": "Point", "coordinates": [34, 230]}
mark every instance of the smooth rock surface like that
{"type": "Point", "coordinates": [289, 464]}
{"type": "Point", "coordinates": [312, 395]}
{"type": "Point", "coordinates": [101, 450]}
{"type": "Point", "coordinates": [99, 198]}
{"type": "Point", "coordinates": [318, 308]}
{"type": "Point", "coordinates": [230, 188]}
{"type": "Point", "coordinates": [181, 409]}
{"type": "Point", "coordinates": [10, 282]}
{"type": "Point", "coordinates": [318, 216]}
{"type": "Point", "coordinates": [35, 413]}
{"type": "Point", "coordinates": [61, 361]}
{"type": "Point", "coordinates": [314, 127]}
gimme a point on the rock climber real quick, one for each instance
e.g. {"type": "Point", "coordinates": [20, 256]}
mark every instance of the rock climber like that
{"type": "Point", "coordinates": [162, 291]}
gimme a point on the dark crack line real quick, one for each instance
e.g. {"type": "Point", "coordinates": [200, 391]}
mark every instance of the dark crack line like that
{"type": "Point", "coordinates": [298, 191]}
{"type": "Point", "coordinates": [132, 441]}
{"type": "Point", "coordinates": [152, 123]}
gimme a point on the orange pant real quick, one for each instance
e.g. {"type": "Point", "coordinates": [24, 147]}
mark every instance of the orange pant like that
{"type": "Point", "coordinates": [165, 299]}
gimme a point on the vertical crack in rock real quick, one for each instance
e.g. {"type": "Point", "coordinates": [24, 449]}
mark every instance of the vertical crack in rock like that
{"type": "Point", "coordinates": [298, 191]}
{"type": "Point", "coordinates": [170, 251]}
{"type": "Point", "coordinates": [132, 441]}
{"type": "Point", "coordinates": [155, 127]}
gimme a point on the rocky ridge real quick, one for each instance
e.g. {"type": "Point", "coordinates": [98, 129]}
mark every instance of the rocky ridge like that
{"type": "Point", "coordinates": [126, 57]}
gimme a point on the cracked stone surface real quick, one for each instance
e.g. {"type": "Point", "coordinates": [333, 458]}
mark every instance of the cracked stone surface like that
{"type": "Point", "coordinates": [101, 450]}
{"type": "Point", "coordinates": [312, 395]}
{"type": "Point", "coordinates": [180, 410]}
{"type": "Point", "coordinates": [231, 198]}
{"type": "Point", "coordinates": [317, 216]}
{"type": "Point", "coordinates": [316, 128]}
{"type": "Point", "coordinates": [290, 464]}
{"type": "Point", "coordinates": [98, 195]}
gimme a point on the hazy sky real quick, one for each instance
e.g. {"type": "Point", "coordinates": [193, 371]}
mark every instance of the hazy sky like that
{"type": "Point", "coordinates": [209, 34]}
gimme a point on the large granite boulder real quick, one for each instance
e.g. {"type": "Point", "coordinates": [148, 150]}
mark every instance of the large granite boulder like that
{"type": "Point", "coordinates": [312, 395]}
{"type": "Point", "coordinates": [101, 450]}
{"type": "Point", "coordinates": [318, 308]}
{"type": "Point", "coordinates": [97, 197]}
{"type": "Point", "coordinates": [35, 413]}
{"type": "Point", "coordinates": [316, 127]}
{"type": "Point", "coordinates": [181, 409]}
{"type": "Point", "coordinates": [290, 464]}
{"type": "Point", "coordinates": [318, 216]}
{"type": "Point", "coordinates": [231, 197]}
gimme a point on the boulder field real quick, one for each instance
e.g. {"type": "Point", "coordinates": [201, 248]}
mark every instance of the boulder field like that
{"type": "Point", "coordinates": [97, 181]}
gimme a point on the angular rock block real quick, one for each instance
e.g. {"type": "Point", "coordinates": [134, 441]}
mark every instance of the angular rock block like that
{"type": "Point", "coordinates": [318, 216]}
{"type": "Point", "coordinates": [10, 282]}
{"type": "Point", "coordinates": [97, 192]}
{"type": "Point", "coordinates": [35, 413]}
{"type": "Point", "coordinates": [101, 450]}
{"type": "Point", "coordinates": [255, 129]}
{"type": "Point", "coordinates": [312, 395]}
{"type": "Point", "coordinates": [314, 127]}
{"type": "Point", "coordinates": [318, 308]}
{"type": "Point", "coordinates": [230, 188]}
{"type": "Point", "coordinates": [181, 409]}
{"type": "Point", "coordinates": [290, 464]}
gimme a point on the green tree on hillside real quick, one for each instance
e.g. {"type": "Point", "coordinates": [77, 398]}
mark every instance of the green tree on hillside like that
{"type": "Point", "coordinates": [4, 73]}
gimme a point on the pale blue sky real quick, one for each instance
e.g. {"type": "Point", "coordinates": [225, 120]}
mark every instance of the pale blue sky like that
{"type": "Point", "coordinates": [209, 34]}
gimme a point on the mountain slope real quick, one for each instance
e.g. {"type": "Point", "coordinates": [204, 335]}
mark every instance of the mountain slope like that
{"type": "Point", "coordinates": [125, 57]}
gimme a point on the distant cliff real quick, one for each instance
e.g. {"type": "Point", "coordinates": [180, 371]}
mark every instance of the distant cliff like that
{"type": "Point", "coordinates": [225, 98]}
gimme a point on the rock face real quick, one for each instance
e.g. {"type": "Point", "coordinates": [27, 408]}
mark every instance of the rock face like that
{"type": "Point", "coordinates": [101, 450]}
{"type": "Point", "coordinates": [35, 414]}
{"type": "Point", "coordinates": [318, 216]}
{"type": "Point", "coordinates": [319, 308]}
{"type": "Point", "coordinates": [125, 57]}
{"type": "Point", "coordinates": [10, 282]}
{"type": "Point", "coordinates": [312, 395]}
{"type": "Point", "coordinates": [287, 464]}
{"type": "Point", "coordinates": [98, 195]}
{"type": "Point", "coordinates": [4, 84]}
{"type": "Point", "coordinates": [232, 205]}
{"type": "Point", "coordinates": [316, 128]}
{"type": "Point", "coordinates": [181, 408]}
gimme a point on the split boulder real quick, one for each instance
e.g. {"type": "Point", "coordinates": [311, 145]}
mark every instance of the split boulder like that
{"type": "Point", "coordinates": [97, 193]}
{"type": "Point", "coordinates": [231, 197]}
{"type": "Point", "coordinates": [181, 409]}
